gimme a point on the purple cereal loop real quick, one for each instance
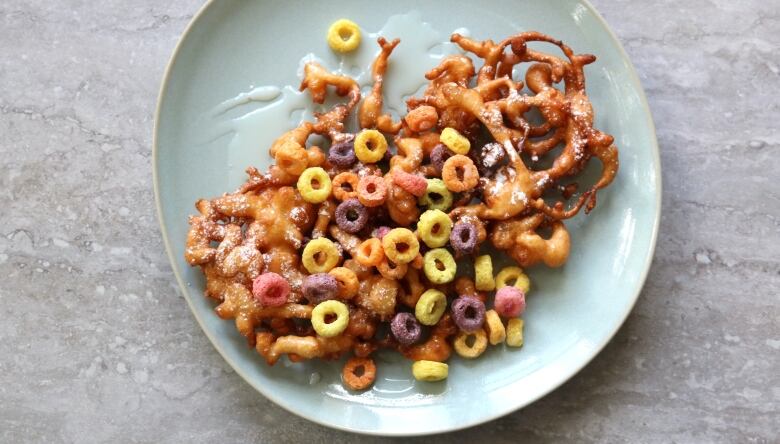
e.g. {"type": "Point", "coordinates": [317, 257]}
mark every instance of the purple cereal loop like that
{"type": "Point", "coordinates": [439, 155]}
{"type": "Point", "coordinates": [342, 154]}
{"type": "Point", "coordinates": [463, 238]}
{"type": "Point", "coordinates": [351, 215]}
{"type": "Point", "coordinates": [405, 328]}
{"type": "Point", "coordinates": [468, 312]}
{"type": "Point", "coordinates": [320, 287]}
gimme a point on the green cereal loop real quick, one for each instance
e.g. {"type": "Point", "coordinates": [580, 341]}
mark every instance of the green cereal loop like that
{"type": "Point", "coordinates": [331, 307]}
{"type": "Point", "coordinates": [432, 272]}
{"type": "Point", "coordinates": [434, 228]}
{"type": "Point", "coordinates": [515, 274]}
{"type": "Point", "coordinates": [436, 186]}
{"type": "Point", "coordinates": [430, 307]}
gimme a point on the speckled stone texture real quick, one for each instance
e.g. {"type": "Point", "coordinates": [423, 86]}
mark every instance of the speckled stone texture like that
{"type": "Point", "coordinates": [97, 345]}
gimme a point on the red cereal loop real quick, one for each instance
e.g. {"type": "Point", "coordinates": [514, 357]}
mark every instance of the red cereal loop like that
{"type": "Point", "coordinates": [270, 289]}
{"type": "Point", "coordinates": [372, 191]}
{"type": "Point", "coordinates": [411, 183]}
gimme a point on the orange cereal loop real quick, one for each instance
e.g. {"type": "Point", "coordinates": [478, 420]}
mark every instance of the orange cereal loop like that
{"type": "Point", "coordinates": [347, 282]}
{"type": "Point", "coordinates": [345, 185]}
{"type": "Point", "coordinates": [391, 270]}
{"type": "Point", "coordinates": [359, 373]}
{"type": "Point", "coordinates": [372, 191]}
{"type": "Point", "coordinates": [370, 253]}
{"type": "Point", "coordinates": [459, 174]}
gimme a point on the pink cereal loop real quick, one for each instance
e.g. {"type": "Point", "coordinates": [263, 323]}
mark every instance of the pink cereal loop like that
{"type": "Point", "coordinates": [411, 183]}
{"type": "Point", "coordinates": [509, 302]}
{"type": "Point", "coordinates": [270, 289]}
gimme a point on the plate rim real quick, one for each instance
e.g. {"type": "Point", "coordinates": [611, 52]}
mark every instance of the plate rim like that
{"type": "Point", "coordinates": [648, 260]}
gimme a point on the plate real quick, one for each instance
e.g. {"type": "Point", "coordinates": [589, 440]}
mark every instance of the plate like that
{"type": "Point", "coordinates": [205, 136]}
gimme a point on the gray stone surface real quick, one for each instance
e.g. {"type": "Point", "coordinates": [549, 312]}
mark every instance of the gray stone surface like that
{"type": "Point", "coordinates": [96, 345]}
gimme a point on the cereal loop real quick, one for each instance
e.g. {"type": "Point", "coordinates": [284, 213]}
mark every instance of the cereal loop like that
{"type": "Point", "coordinates": [405, 328]}
{"type": "Point", "coordinates": [359, 373]}
{"type": "Point", "coordinates": [468, 312]}
{"type": "Point", "coordinates": [342, 154]}
{"type": "Point", "coordinates": [437, 196]}
{"type": "Point", "coordinates": [430, 371]}
{"type": "Point", "coordinates": [463, 238]}
{"type": "Point", "coordinates": [270, 289]}
{"type": "Point", "coordinates": [483, 273]}
{"type": "Point", "coordinates": [459, 174]}
{"type": "Point", "coordinates": [330, 308]}
{"type": "Point", "coordinates": [344, 35]}
{"type": "Point", "coordinates": [439, 266]}
{"type": "Point", "coordinates": [455, 141]}
{"type": "Point", "coordinates": [320, 255]}
{"type": "Point", "coordinates": [319, 287]}
{"type": "Point", "coordinates": [495, 328]}
{"type": "Point", "coordinates": [514, 332]}
{"type": "Point", "coordinates": [314, 185]}
{"type": "Point", "coordinates": [345, 185]}
{"type": "Point", "coordinates": [391, 270]}
{"type": "Point", "coordinates": [370, 253]}
{"type": "Point", "coordinates": [509, 301]}
{"type": "Point", "coordinates": [351, 216]}
{"type": "Point", "coordinates": [400, 245]}
{"type": "Point", "coordinates": [478, 345]}
{"type": "Point", "coordinates": [513, 276]}
{"type": "Point", "coordinates": [372, 191]}
{"type": "Point", "coordinates": [411, 183]}
{"type": "Point", "coordinates": [347, 282]}
{"type": "Point", "coordinates": [370, 146]}
{"type": "Point", "coordinates": [434, 228]}
{"type": "Point", "coordinates": [430, 307]}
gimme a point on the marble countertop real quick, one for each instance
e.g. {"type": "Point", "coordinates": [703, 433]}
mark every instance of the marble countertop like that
{"type": "Point", "coordinates": [97, 344]}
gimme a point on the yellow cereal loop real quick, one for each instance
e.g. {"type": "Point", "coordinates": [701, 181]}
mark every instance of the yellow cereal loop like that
{"type": "Point", "coordinates": [430, 307]}
{"type": "Point", "coordinates": [495, 328]}
{"type": "Point", "coordinates": [344, 35]}
{"type": "Point", "coordinates": [483, 273]}
{"type": "Point", "coordinates": [434, 228]}
{"type": "Point", "coordinates": [430, 370]}
{"type": "Point", "coordinates": [478, 346]}
{"type": "Point", "coordinates": [455, 141]}
{"type": "Point", "coordinates": [513, 275]}
{"type": "Point", "coordinates": [400, 245]}
{"type": "Point", "coordinates": [514, 332]}
{"type": "Point", "coordinates": [439, 266]}
{"type": "Point", "coordinates": [330, 308]}
{"type": "Point", "coordinates": [314, 185]}
{"type": "Point", "coordinates": [437, 196]}
{"type": "Point", "coordinates": [320, 255]}
{"type": "Point", "coordinates": [370, 146]}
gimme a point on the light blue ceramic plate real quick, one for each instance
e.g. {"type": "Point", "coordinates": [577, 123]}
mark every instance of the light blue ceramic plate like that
{"type": "Point", "coordinates": [233, 46]}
